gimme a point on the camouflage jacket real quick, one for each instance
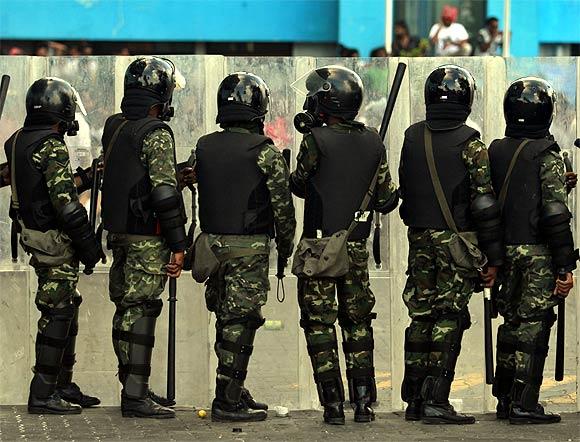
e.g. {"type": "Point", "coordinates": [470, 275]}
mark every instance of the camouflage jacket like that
{"type": "Point", "coordinates": [307, 164]}
{"type": "Point", "coordinates": [52, 159]}
{"type": "Point", "coordinates": [271, 163]}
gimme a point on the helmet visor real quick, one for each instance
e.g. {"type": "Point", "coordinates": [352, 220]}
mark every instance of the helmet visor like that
{"type": "Point", "coordinates": [79, 102]}
{"type": "Point", "coordinates": [311, 83]}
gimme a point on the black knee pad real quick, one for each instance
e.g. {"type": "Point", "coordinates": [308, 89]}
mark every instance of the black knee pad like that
{"type": "Point", "coordinates": [77, 300]}
{"type": "Point", "coordinates": [153, 308]}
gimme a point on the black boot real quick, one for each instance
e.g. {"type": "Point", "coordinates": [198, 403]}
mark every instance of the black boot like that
{"type": "Point", "coordinates": [67, 389]}
{"type": "Point", "coordinates": [229, 404]}
{"type": "Point", "coordinates": [436, 406]}
{"type": "Point", "coordinates": [250, 402]}
{"type": "Point", "coordinates": [502, 386]}
{"type": "Point", "coordinates": [411, 391]}
{"type": "Point", "coordinates": [362, 395]}
{"type": "Point", "coordinates": [135, 399]}
{"type": "Point", "coordinates": [50, 344]}
{"type": "Point", "coordinates": [331, 395]}
{"type": "Point", "coordinates": [527, 383]}
{"type": "Point", "coordinates": [163, 401]}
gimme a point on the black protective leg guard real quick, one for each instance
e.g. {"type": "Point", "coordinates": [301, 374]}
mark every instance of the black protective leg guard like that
{"type": "Point", "coordinates": [411, 391]}
{"type": "Point", "coordinates": [502, 385]}
{"type": "Point", "coordinates": [50, 345]}
{"type": "Point", "coordinates": [228, 405]}
{"type": "Point", "coordinates": [67, 389]}
{"type": "Point", "coordinates": [526, 388]}
{"type": "Point", "coordinates": [331, 395]}
{"type": "Point", "coordinates": [361, 380]}
{"type": "Point", "coordinates": [135, 398]}
{"type": "Point", "coordinates": [437, 385]}
{"type": "Point", "coordinates": [246, 396]}
{"type": "Point", "coordinates": [415, 374]}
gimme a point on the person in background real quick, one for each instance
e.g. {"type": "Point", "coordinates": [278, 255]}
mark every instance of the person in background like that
{"type": "Point", "coordinates": [489, 38]}
{"type": "Point", "coordinates": [406, 45]}
{"type": "Point", "coordinates": [449, 37]}
{"type": "Point", "coordinates": [379, 52]}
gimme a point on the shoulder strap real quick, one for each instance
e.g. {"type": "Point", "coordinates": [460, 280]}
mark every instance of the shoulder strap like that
{"type": "Point", "coordinates": [112, 141]}
{"type": "Point", "coordinates": [15, 202]}
{"type": "Point", "coordinates": [368, 196]}
{"type": "Point", "coordinates": [506, 182]}
{"type": "Point", "coordinates": [436, 182]}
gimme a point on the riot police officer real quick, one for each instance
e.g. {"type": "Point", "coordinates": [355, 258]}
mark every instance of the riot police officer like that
{"type": "Point", "coordinates": [528, 174]}
{"type": "Point", "coordinates": [244, 202]}
{"type": "Point", "coordinates": [438, 287]}
{"type": "Point", "coordinates": [55, 231]}
{"type": "Point", "coordinates": [337, 162]}
{"type": "Point", "coordinates": [143, 214]}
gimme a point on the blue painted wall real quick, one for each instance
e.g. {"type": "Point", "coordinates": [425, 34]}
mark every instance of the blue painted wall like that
{"type": "Point", "coordinates": [353, 23]}
{"type": "Point", "coordinates": [171, 20]}
{"type": "Point", "coordinates": [361, 24]}
{"type": "Point", "coordinates": [539, 21]}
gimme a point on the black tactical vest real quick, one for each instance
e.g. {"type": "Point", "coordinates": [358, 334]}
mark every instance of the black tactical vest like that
{"type": "Point", "coordinates": [346, 166]}
{"type": "Point", "coordinates": [523, 203]}
{"type": "Point", "coordinates": [232, 193]}
{"type": "Point", "coordinates": [126, 186]}
{"type": "Point", "coordinates": [36, 210]}
{"type": "Point", "coordinates": [419, 207]}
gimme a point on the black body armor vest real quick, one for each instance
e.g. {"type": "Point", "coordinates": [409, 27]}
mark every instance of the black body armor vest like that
{"type": "Point", "coordinates": [521, 211]}
{"type": "Point", "coordinates": [420, 208]}
{"type": "Point", "coordinates": [346, 166]}
{"type": "Point", "coordinates": [126, 185]}
{"type": "Point", "coordinates": [233, 197]}
{"type": "Point", "coordinates": [36, 210]}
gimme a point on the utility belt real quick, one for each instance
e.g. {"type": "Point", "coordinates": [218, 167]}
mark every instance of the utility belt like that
{"type": "Point", "coordinates": [47, 249]}
{"type": "Point", "coordinates": [207, 259]}
{"type": "Point", "coordinates": [125, 239]}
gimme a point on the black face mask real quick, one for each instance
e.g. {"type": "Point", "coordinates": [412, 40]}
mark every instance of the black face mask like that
{"type": "Point", "coordinates": [305, 121]}
{"type": "Point", "coordinates": [527, 131]}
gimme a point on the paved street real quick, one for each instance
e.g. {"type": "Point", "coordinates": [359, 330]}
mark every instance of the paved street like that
{"type": "Point", "coordinates": [104, 424]}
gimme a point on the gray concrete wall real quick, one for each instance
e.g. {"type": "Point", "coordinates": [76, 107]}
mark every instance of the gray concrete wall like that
{"type": "Point", "coordinates": [280, 370]}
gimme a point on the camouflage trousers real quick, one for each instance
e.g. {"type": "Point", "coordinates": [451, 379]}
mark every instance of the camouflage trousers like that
{"type": "Point", "coordinates": [526, 303]}
{"type": "Point", "coordinates": [57, 288]}
{"type": "Point", "coordinates": [137, 277]}
{"type": "Point", "coordinates": [239, 289]}
{"type": "Point", "coordinates": [436, 294]}
{"type": "Point", "coordinates": [350, 300]}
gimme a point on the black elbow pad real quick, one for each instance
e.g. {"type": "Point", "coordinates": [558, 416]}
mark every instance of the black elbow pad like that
{"type": "Point", "coordinates": [486, 215]}
{"type": "Point", "coordinates": [555, 226]}
{"type": "Point", "coordinates": [74, 221]}
{"type": "Point", "coordinates": [167, 204]}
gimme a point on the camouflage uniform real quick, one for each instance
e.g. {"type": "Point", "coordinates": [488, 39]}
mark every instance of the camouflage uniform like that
{"type": "Point", "coordinates": [436, 287]}
{"type": "Point", "coordinates": [318, 297]}
{"type": "Point", "coordinates": [138, 273]}
{"type": "Point", "coordinates": [239, 289]}
{"type": "Point", "coordinates": [56, 285]}
{"type": "Point", "coordinates": [527, 286]}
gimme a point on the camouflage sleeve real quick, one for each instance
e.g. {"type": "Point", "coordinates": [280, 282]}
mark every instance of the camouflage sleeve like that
{"type": "Point", "coordinates": [272, 164]}
{"type": "Point", "coordinates": [387, 193]}
{"type": "Point", "coordinates": [552, 177]}
{"type": "Point", "coordinates": [53, 160]}
{"type": "Point", "coordinates": [158, 155]}
{"type": "Point", "coordinates": [476, 161]}
{"type": "Point", "coordinates": [306, 165]}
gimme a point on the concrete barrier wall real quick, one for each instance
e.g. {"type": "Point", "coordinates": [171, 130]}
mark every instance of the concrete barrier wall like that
{"type": "Point", "coordinates": [280, 370]}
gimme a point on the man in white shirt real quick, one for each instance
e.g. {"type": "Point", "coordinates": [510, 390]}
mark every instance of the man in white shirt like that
{"type": "Point", "coordinates": [450, 38]}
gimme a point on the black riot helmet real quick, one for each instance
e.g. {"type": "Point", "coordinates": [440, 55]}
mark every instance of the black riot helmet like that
{"type": "Point", "coordinates": [242, 96]}
{"type": "Point", "coordinates": [50, 101]}
{"type": "Point", "coordinates": [149, 81]}
{"type": "Point", "coordinates": [529, 102]}
{"type": "Point", "coordinates": [330, 91]}
{"type": "Point", "coordinates": [450, 84]}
